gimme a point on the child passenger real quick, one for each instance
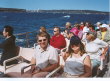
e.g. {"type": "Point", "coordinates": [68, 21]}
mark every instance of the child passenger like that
{"type": "Point", "coordinates": [77, 62]}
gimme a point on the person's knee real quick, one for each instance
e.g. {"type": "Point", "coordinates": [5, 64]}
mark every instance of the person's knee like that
{"type": "Point", "coordinates": [95, 63]}
{"type": "Point", "coordinates": [13, 74]}
{"type": "Point", "coordinates": [26, 75]}
{"type": "Point", "coordinates": [40, 75]}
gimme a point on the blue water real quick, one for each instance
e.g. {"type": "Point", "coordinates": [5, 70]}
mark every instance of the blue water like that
{"type": "Point", "coordinates": [25, 22]}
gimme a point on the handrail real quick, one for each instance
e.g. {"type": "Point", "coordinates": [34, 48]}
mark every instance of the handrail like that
{"type": "Point", "coordinates": [27, 38]}
{"type": "Point", "coordinates": [25, 33]}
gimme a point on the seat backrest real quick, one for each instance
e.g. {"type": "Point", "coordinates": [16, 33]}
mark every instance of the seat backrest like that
{"type": "Point", "coordinates": [17, 50]}
{"type": "Point", "coordinates": [26, 53]}
{"type": "Point", "coordinates": [62, 62]}
{"type": "Point", "coordinates": [35, 44]}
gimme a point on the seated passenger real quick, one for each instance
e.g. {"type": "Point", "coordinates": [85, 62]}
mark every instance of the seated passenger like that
{"type": "Point", "coordinates": [77, 62]}
{"type": "Point", "coordinates": [105, 34]}
{"type": "Point", "coordinates": [58, 41]}
{"type": "Point", "coordinates": [45, 59]}
{"type": "Point", "coordinates": [67, 43]}
{"type": "Point", "coordinates": [8, 45]}
{"type": "Point", "coordinates": [94, 48]}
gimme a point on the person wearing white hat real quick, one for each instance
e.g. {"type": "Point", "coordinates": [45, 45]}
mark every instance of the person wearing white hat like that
{"type": "Point", "coordinates": [98, 24]}
{"type": "Point", "coordinates": [105, 34]}
{"type": "Point", "coordinates": [103, 28]}
{"type": "Point", "coordinates": [85, 30]}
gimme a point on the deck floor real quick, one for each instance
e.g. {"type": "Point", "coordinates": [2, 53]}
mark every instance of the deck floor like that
{"type": "Point", "coordinates": [107, 70]}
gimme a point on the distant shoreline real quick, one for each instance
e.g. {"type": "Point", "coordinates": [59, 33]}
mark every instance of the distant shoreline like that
{"type": "Point", "coordinates": [53, 11]}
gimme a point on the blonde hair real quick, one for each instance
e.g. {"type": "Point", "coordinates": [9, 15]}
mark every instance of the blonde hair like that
{"type": "Point", "coordinates": [68, 23]}
{"type": "Point", "coordinates": [92, 37]}
{"type": "Point", "coordinates": [43, 29]}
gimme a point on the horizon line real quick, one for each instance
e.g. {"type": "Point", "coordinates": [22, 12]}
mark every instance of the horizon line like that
{"type": "Point", "coordinates": [55, 9]}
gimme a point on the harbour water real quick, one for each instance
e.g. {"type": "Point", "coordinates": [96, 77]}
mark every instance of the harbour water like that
{"type": "Point", "coordinates": [27, 22]}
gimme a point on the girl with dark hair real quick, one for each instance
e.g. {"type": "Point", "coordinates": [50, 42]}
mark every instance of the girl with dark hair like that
{"type": "Point", "coordinates": [77, 62]}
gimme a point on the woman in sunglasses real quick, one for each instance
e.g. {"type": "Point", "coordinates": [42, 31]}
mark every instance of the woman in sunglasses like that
{"type": "Point", "coordinates": [44, 60]}
{"type": "Point", "coordinates": [45, 57]}
{"type": "Point", "coordinates": [97, 50]}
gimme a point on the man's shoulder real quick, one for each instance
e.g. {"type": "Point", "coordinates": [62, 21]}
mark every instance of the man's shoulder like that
{"type": "Point", "coordinates": [61, 36]}
{"type": "Point", "coordinates": [51, 47]}
{"type": "Point", "coordinates": [37, 47]}
{"type": "Point", "coordinates": [12, 37]}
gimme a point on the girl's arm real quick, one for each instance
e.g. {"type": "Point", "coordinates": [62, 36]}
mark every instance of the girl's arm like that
{"type": "Point", "coordinates": [87, 67]}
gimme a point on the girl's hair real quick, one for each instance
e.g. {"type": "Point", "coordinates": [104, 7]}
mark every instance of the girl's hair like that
{"type": "Point", "coordinates": [75, 40]}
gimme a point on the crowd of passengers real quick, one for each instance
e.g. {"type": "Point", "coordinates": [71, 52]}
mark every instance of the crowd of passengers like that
{"type": "Point", "coordinates": [82, 47]}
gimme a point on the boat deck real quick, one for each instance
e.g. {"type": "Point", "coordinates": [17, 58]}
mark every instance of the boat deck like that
{"type": "Point", "coordinates": [107, 71]}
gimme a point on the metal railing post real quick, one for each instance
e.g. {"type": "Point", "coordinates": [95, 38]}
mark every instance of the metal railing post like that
{"type": "Point", "coordinates": [27, 40]}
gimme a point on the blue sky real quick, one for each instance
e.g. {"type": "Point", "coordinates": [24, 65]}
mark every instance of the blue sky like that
{"type": "Point", "coordinates": [100, 5]}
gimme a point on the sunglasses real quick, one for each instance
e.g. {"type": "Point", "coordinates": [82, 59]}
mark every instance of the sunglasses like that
{"type": "Point", "coordinates": [54, 31]}
{"type": "Point", "coordinates": [42, 40]}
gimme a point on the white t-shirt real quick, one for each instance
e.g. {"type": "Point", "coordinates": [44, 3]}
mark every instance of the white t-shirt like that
{"type": "Point", "coordinates": [44, 58]}
{"type": "Point", "coordinates": [74, 66]}
{"type": "Point", "coordinates": [94, 48]}
{"type": "Point", "coordinates": [85, 30]}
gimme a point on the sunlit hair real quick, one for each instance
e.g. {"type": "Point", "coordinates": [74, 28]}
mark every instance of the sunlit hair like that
{"type": "Point", "coordinates": [43, 34]}
{"type": "Point", "coordinates": [75, 40]}
{"type": "Point", "coordinates": [43, 29]}
{"type": "Point", "coordinates": [93, 35]}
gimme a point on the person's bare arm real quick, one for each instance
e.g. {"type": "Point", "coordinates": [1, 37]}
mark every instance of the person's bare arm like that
{"type": "Point", "coordinates": [104, 52]}
{"type": "Point", "coordinates": [87, 67]}
{"type": "Point", "coordinates": [33, 61]}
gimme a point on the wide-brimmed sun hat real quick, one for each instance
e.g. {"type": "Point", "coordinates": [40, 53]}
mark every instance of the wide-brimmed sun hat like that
{"type": "Point", "coordinates": [104, 26]}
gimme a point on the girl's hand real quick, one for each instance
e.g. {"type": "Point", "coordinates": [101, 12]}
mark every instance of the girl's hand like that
{"type": "Point", "coordinates": [33, 69]}
{"type": "Point", "coordinates": [37, 70]}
